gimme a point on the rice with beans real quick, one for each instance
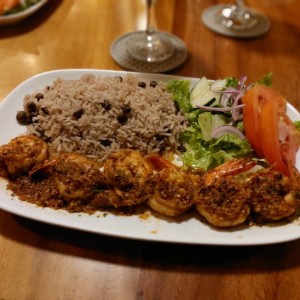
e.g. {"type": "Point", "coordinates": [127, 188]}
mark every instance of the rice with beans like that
{"type": "Point", "coordinates": [95, 116]}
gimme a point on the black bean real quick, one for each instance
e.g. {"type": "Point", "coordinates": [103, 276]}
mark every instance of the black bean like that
{"type": "Point", "coordinates": [46, 138]}
{"type": "Point", "coordinates": [21, 117]}
{"type": "Point", "coordinates": [28, 120]}
{"type": "Point", "coordinates": [120, 78]}
{"type": "Point", "coordinates": [126, 108]}
{"type": "Point", "coordinates": [41, 131]}
{"type": "Point", "coordinates": [105, 143]}
{"type": "Point", "coordinates": [106, 105]}
{"type": "Point", "coordinates": [31, 107]}
{"type": "Point", "coordinates": [39, 96]}
{"type": "Point", "coordinates": [159, 137]}
{"type": "Point", "coordinates": [122, 118]}
{"type": "Point", "coordinates": [153, 83]}
{"type": "Point", "coordinates": [142, 84]}
{"type": "Point", "coordinates": [45, 110]}
{"type": "Point", "coordinates": [181, 148]}
{"type": "Point", "coordinates": [78, 113]}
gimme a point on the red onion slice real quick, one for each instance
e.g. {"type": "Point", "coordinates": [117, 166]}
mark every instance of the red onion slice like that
{"type": "Point", "coordinates": [241, 83]}
{"type": "Point", "coordinates": [219, 131]}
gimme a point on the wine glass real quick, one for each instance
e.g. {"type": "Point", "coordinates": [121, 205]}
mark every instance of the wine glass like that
{"type": "Point", "coordinates": [150, 45]}
{"type": "Point", "coordinates": [150, 49]}
{"type": "Point", "coordinates": [237, 16]}
{"type": "Point", "coordinates": [235, 20]}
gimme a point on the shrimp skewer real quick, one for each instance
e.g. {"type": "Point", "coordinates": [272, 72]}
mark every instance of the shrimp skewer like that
{"type": "Point", "coordinates": [226, 196]}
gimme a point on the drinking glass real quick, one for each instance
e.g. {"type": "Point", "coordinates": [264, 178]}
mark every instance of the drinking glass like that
{"type": "Point", "coordinates": [149, 49]}
{"type": "Point", "coordinates": [235, 20]}
{"type": "Point", "coordinates": [237, 16]}
{"type": "Point", "coordinates": [151, 45]}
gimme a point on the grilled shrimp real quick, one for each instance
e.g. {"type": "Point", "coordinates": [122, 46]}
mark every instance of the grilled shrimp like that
{"type": "Point", "coordinates": [126, 173]}
{"type": "Point", "coordinates": [22, 153]}
{"type": "Point", "coordinates": [273, 195]}
{"type": "Point", "coordinates": [76, 176]}
{"type": "Point", "coordinates": [171, 188]}
{"type": "Point", "coordinates": [223, 199]}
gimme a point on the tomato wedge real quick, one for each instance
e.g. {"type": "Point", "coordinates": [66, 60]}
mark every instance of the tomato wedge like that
{"type": "Point", "coordinates": [269, 133]}
{"type": "Point", "coordinates": [289, 137]}
{"type": "Point", "coordinates": [254, 99]}
{"type": "Point", "coordinates": [251, 120]}
{"type": "Point", "coordinates": [268, 129]}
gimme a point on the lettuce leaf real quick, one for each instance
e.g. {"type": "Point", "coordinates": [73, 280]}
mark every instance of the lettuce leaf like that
{"type": "Point", "coordinates": [266, 79]}
{"type": "Point", "coordinates": [297, 124]}
{"type": "Point", "coordinates": [180, 89]}
{"type": "Point", "coordinates": [232, 81]}
{"type": "Point", "coordinates": [208, 122]}
{"type": "Point", "coordinates": [209, 155]}
{"type": "Point", "coordinates": [206, 153]}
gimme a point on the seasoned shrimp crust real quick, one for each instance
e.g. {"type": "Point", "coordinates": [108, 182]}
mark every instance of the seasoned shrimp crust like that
{"type": "Point", "coordinates": [273, 195]}
{"type": "Point", "coordinates": [22, 153]}
{"type": "Point", "coordinates": [224, 202]}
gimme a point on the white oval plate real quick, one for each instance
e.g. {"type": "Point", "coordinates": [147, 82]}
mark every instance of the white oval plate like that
{"type": "Point", "coordinates": [187, 229]}
{"type": "Point", "coordinates": [19, 16]}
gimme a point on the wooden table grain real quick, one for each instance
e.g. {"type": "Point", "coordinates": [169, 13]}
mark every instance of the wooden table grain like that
{"type": "Point", "coordinates": [40, 261]}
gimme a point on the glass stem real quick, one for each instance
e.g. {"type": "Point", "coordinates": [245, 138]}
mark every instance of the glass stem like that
{"type": "Point", "coordinates": [149, 30]}
{"type": "Point", "coordinates": [240, 3]}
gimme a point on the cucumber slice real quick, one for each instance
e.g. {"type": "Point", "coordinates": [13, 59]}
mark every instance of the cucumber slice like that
{"type": "Point", "coordinates": [203, 95]}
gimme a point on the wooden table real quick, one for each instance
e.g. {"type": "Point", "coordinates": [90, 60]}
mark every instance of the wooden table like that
{"type": "Point", "coordinates": [40, 261]}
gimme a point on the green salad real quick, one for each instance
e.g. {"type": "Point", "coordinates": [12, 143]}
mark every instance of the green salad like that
{"type": "Point", "coordinates": [214, 113]}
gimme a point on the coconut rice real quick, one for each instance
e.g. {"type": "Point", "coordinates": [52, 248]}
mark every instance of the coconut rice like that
{"type": "Point", "coordinates": [95, 116]}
